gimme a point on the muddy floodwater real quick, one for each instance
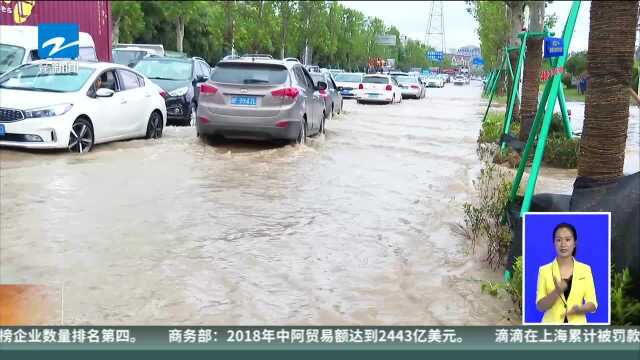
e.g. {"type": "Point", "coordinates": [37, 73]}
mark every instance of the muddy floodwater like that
{"type": "Point", "coordinates": [352, 228]}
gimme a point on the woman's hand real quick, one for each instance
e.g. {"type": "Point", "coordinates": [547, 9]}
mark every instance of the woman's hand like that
{"type": "Point", "coordinates": [561, 286]}
{"type": "Point", "coordinates": [575, 310]}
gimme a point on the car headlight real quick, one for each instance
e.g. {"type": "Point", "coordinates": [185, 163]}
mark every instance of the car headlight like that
{"type": "Point", "coordinates": [54, 110]}
{"type": "Point", "coordinates": [179, 91]}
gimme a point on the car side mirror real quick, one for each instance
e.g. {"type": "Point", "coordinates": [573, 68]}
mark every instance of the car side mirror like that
{"type": "Point", "coordinates": [322, 85]}
{"type": "Point", "coordinates": [201, 79]}
{"type": "Point", "coordinates": [104, 92]}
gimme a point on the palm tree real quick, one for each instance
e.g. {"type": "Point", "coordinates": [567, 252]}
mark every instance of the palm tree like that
{"type": "Point", "coordinates": [609, 61]}
{"type": "Point", "coordinates": [515, 12]}
{"type": "Point", "coordinates": [531, 74]}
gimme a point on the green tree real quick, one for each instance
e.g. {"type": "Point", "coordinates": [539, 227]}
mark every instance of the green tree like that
{"type": "Point", "coordinates": [128, 21]}
{"type": "Point", "coordinates": [576, 63]}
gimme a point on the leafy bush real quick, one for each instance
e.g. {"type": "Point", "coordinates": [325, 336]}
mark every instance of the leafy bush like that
{"type": "Point", "coordinates": [562, 152]}
{"type": "Point", "coordinates": [625, 310]}
{"type": "Point", "coordinates": [492, 128]}
{"type": "Point", "coordinates": [483, 221]}
{"type": "Point", "coordinates": [513, 287]}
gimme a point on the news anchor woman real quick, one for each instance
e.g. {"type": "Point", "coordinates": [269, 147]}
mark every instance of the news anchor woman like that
{"type": "Point", "coordinates": [566, 291]}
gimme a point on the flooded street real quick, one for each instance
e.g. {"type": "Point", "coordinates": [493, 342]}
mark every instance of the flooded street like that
{"type": "Point", "coordinates": [351, 229]}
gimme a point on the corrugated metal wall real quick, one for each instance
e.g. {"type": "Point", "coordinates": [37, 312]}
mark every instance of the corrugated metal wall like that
{"type": "Point", "coordinates": [93, 17]}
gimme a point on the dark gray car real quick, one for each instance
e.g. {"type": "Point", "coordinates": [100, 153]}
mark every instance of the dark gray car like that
{"type": "Point", "coordinates": [261, 99]}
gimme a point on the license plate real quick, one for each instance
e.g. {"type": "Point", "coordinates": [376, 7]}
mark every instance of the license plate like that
{"type": "Point", "coordinates": [373, 95]}
{"type": "Point", "coordinates": [244, 100]}
{"type": "Point", "coordinates": [346, 92]}
{"type": "Point", "coordinates": [2, 130]}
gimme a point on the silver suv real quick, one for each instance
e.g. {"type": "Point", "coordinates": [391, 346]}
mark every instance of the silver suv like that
{"type": "Point", "coordinates": [260, 99]}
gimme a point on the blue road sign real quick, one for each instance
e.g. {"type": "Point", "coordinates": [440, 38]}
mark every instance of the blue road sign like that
{"type": "Point", "coordinates": [478, 61]}
{"type": "Point", "coordinates": [553, 47]}
{"type": "Point", "coordinates": [435, 55]}
{"type": "Point", "coordinates": [58, 41]}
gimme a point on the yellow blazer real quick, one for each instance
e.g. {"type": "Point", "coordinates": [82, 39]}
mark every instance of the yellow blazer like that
{"type": "Point", "coordinates": [582, 290]}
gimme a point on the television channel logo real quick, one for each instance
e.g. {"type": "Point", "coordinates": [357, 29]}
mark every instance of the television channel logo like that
{"type": "Point", "coordinates": [58, 41]}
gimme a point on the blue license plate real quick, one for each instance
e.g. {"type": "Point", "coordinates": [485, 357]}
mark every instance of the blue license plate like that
{"type": "Point", "coordinates": [2, 130]}
{"type": "Point", "coordinates": [244, 100]}
{"type": "Point", "coordinates": [373, 95]}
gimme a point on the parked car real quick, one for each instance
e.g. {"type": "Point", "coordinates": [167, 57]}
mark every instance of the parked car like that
{"type": "Point", "coordinates": [445, 77]}
{"type": "Point", "coordinates": [348, 84]}
{"type": "Point", "coordinates": [19, 45]}
{"type": "Point", "coordinates": [175, 54]}
{"type": "Point", "coordinates": [435, 81]}
{"type": "Point", "coordinates": [156, 49]}
{"type": "Point", "coordinates": [379, 88]}
{"type": "Point", "coordinates": [410, 87]}
{"type": "Point", "coordinates": [331, 96]}
{"type": "Point", "coordinates": [130, 56]}
{"type": "Point", "coordinates": [261, 99]}
{"type": "Point", "coordinates": [459, 80]}
{"type": "Point", "coordinates": [101, 102]}
{"type": "Point", "coordinates": [179, 78]}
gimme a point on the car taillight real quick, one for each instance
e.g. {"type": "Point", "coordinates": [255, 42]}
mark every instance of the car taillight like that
{"type": "Point", "coordinates": [389, 87]}
{"type": "Point", "coordinates": [163, 94]}
{"type": "Point", "coordinates": [208, 89]}
{"type": "Point", "coordinates": [282, 124]}
{"type": "Point", "coordinates": [290, 92]}
{"type": "Point", "coordinates": [414, 87]}
{"type": "Point", "coordinates": [361, 87]}
{"type": "Point", "coordinates": [323, 93]}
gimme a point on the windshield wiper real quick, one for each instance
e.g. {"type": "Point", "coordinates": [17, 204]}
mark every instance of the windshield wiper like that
{"type": "Point", "coordinates": [30, 89]}
{"type": "Point", "coordinates": [255, 81]}
{"type": "Point", "coordinates": [161, 78]}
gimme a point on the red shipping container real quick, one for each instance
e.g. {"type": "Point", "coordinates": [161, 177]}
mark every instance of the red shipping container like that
{"type": "Point", "coordinates": [93, 17]}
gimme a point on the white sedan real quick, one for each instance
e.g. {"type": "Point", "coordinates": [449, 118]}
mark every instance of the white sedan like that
{"type": "Point", "coordinates": [379, 88]}
{"type": "Point", "coordinates": [101, 102]}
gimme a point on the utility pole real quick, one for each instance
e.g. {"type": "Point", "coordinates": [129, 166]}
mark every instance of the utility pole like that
{"type": "Point", "coordinates": [435, 35]}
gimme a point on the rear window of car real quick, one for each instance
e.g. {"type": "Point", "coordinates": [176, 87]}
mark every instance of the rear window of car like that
{"type": "Point", "coordinates": [354, 78]}
{"type": "Point", "coordinates": [245, 74]}
{"type": "Point", "coordinates": [375, 80]}
{"type": "Point", "coordinates": [406, 80]}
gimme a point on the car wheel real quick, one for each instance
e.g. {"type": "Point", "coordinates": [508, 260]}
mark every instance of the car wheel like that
{"type": "Point", "coordinates": [81, 137]}
{"type": "Point", "coordinates": [192, 115]}
{"type": "Point", "coordinates": [154, 127]}
{"type": "Point", "coordinates": [302, 135]}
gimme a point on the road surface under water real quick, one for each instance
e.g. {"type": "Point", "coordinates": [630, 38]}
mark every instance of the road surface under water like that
{"type": "Point", "coordinates": [352, 228]}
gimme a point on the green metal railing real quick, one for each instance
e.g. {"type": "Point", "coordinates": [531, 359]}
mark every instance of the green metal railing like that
{"type": "Point", "coordinates": [542, 122]}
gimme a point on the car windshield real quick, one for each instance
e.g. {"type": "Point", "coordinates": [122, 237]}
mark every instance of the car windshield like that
{"type": "Point", "coordinates": [375, 80]}
{"type": "Point", "coordinates": [163, 69]}
{"type": "Point", "coordinates": [30, 77]}
{"type": "Point", "coordinates": [10, 56]}
{"type": "Point", "coordinates": [406, 80]}
{"type": "Point", "coordinates": [243, 73]}
{"type": "Point", "coordinates": [350, 78]}
{"type": "Point", "coordinates": [127, 57]}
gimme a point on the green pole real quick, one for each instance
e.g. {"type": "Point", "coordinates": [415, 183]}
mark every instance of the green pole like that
{"type": "Point", "coordinates": [535, 127]}
{"type": "Point", "coordinates": [565, 115]}
{"type": "Point", "coordinates": [511, 70]}
{"type": "Point", "coordinates": [514, 92]}
{"type": "Point", "coordinates": [535, 168]}
{"type": "Point", "coordinates": [492, 90]}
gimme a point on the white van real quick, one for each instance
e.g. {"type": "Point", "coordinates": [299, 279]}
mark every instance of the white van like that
{"type": "Point", "coordinates": [19, 45]}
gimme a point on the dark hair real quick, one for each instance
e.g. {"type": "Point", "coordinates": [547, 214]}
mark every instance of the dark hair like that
{"type": "Point", "coordinates": [573, 231]}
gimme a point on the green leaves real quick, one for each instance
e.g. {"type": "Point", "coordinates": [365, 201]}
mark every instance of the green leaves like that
{"type": "Point", "coordinates": [338, 36]}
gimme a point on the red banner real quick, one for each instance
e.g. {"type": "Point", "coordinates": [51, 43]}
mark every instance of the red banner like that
{"type": "Point", "coordinates": [546, 74]}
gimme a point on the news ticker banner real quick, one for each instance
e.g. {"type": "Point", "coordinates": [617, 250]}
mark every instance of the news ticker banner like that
{"type": "Point", "coordinates": [319, 338]}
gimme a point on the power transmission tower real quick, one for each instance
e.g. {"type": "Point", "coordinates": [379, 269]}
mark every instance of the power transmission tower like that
{"type": "Point", "coordinates": [434, 36]}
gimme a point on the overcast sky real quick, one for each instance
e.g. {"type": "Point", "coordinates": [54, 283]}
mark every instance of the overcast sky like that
{"type": "Point", "coordinates": [411, 17]}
